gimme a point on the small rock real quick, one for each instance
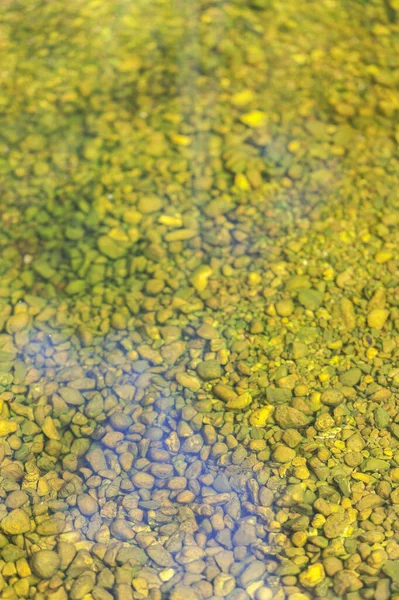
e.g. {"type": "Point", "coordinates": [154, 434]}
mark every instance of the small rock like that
{"type": "Point", "coordinates": [209, 369]}
{"type": "Point", "coordinates": [377, 318]}
{"type": "Point", "coordinates": [245, 534]}
{"type": "Point", "coordinates": [49, 429]}
{"type": "Point", "coordinates": [7, 427]}
{"type": "Point", "coordinates": [16, 499]}
{"type": "Point", "coordinates": [160, 555]}
{"type": "Point", "coordinates": [45, 563]}
{"type": "Point", "coordinates": [310, 299]}
{"type": "Point", "coordinates": [87, 505]}
{"type": "Point", "coordinates": [253, 572]}
{"type": "Point", "coordinates": [120, 422]}
{"type": "Point", "coordinates": [284, 454]}
{"type": "Point", "coordinates": [16, 522]}
{"type": "Point", "coordinates": [188, 381]}
{"type": "Point", "coordinates": [71, 396]}
{"type": "Point", "coordinates": [143, 480]}
{"type": "Point", "coordinates": [52, 526]}
{"type": "Point", "coordinates": [312, 576]}
{"type": "Point", "coordinates": [287, 417]}
{"type": "Point", "coordinates": [351, 377]}
{"type": "Point", "coordinates": [121, 530]}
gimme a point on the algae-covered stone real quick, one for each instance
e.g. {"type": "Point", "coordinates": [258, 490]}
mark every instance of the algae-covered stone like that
{"type": "Point", "coordinates": [209, 369]}
{"type": "Point", "coordinates": [7, 427]}
{"type": "Point", "coordinates": [391, 569]}
{"type": "Point", "coordinates": [260, 416]}
{"type": "Point", "coordinates": [51, 526]}
{"type": "Point", "coordinates": [200, 278]}
{"type": "Point", "coordinates": [288, 417]}
{"type": "Point", "coordinates": [254, 118]}
{"type": "Point", "coordinates": [351, 377]}
{"type": "Point", "coordinates": [49, 429]}
{"type": "Point", "coordinates": [377, 318]}
{"type": "Point", "coordinates": [348, 313]}
{"type": "Point", "coordinates": [75, 287]}
{"type": "Point", "coordinates": [240, 402]}
{"type": "Point", "coordinates": [336, 525]}
{"type": "Point", "coordinates": [381, 417]}
{"type": "Point", "coordinates": [285, 308]}
{"type": "Point", "coordinates": [284, 454]}
{"type": "Point", "coordinates": [312, 576]}
{"type": "Point", "coordinates": [188, 381]}
{"type": "Point", "coordinates": [45, 563]}
{"type": "Point", "coordinates": [71, 396]}
{"type": "Point", "coordinates": [332, 397]}
{"type": "Point", "coordinates": [149, 204]}
{"type": "Point", "coordinates": [310, 299]}
{"type": "Point", "coordinates": [278, 395]}
{"type": "Point", "coordinates": [375, 464]}
{"type": "Point", "coordinates": [17, 322]}
{"type": "Point", "coordinates": [111, 248]}
{"type": "Point", "coordinates": [224, 392]}
{"type": "Point", "coordinates": [16, 522]}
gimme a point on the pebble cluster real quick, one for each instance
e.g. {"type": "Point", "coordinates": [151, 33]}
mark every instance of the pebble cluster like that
{"type": "Point", "coordinates": [199, 300]}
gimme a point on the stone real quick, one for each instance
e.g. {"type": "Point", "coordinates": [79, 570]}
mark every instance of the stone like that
{"type": "Point", "coordinates": [45, 563]}
{"type": "Point", "coordinates": [87, 505]}
{"type": "Point", "coordinates": [16, 522]}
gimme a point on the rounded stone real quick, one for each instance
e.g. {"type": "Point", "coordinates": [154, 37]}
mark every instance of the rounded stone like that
{"type": "Point", "coordinates": [16, 522]}
{"type": "Point", "coordinates": [45, 563]}
{"type": "Point", "coordinates": [87, 505]}
{"type": "Point", "coordinates": [209, 369]}
{"type": "Point", "coordinates": [120, 422]}
{"type": "Point", "coordinates": [16, 499]}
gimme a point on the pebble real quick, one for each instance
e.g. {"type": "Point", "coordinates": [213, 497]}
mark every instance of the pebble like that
{"type": "Point", "coordinates": [336, 525]}
{"type": "Point", "coordinates": [240, 402]}
{"type": "Point", "coordinates": [120, 422]}
{"type": "Point", "coordinates": [71, 396]}
{"type": "Point", "coordinates": [49, 429]}
{"type": "Point", "coordinates": [310, 299]}
{"type": "Point", "coordinates": [7, 427]}
{"type": "Point", "coordinates": [87, 505]}
{"type": "Point", "coordinates": [209, 369]}
{"type": "Point", "coordinates": [45, 563]}
{"type": "Point", "coordinates": [83, 585]}
{"type": "Point", "coordinates": [121, 530]}
{"type": "Point", "coordinates": [17, 323]}
{"type": "Point", "coordinates": [283, 454]}
{"type": "Point", "coordinates": [312, 576]}
{"type": "Point", "coordinates": [16, 522]}
{"type": "Point", "coordinates": [16, 499]}
{"type": "Point", "coordinates": [288, 417]}
{"type": "Point", "coordinates": [260, 416]}
{"type": "Point", "coordinates": [143, 480]}
{"type": "Point", "coordinates": [188, 381]}
{"type": "Point", "coordinates": [160, 555]}
{"type": "Point", "coordinates": [224, 392]}
{"type": "Point", "coordinates": [96, 460]}
{"type": "Point", "coordinates": [183, 592]}
{"type": "Point", "coordinates": [150, 204]}
{"type": "Point", "coordinates": [111, 248]}
{"type": "Point", "coordinates": [253, 572]}
{"type": "Point", "coordinates": [377, 318]}
{"type": "Point", "coordinates": [51, 526]}
{"type": "Point", "coordinates": [245, 535]}
{"type": "Point", "coordinates": [351, 377]}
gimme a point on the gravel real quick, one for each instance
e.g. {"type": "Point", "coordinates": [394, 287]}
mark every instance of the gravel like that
{"type": "Point", "coordinates": [199, 301]}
